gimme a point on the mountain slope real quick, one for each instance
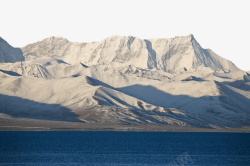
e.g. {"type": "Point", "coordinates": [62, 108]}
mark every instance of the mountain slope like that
{"type": "Point", "coordinates": [185, 52]}
{"type": "Point", "coordinates": [8, 54]}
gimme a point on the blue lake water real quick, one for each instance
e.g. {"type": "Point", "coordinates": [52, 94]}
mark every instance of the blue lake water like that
{"type": "Point", "coordinates": [123, 148]}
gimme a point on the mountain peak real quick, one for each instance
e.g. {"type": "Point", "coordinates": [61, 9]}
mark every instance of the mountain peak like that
{"type": "Point", "coordinates": [191, 35]}
{"type": "Point", "coordinates": [117, 37]}
{"type": "Point", "coordinates": [186, 38]}
{"type": "Point", "coordinates": [55, 38]}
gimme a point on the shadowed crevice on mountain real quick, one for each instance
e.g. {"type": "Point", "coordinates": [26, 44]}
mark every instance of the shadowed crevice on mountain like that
{"type": "Point", "coordinates": [61, 61]}
{"type": "Point", "coordinates": [219, 75]}
{"type": "Point", "coordinates": [152, 55]}
{"type": "Point", "coordinates": [83, 65]}
{"type": "Point", "coordinates": [23, 108]}
{"type": "Point", "coordinates": [239, 84]}
{"type": "Point", "coordinates": [96, 82]}
{"type": "Point", "coordinates": [11, 73]}
{"type": "Point", "coordinates": [193, 78]}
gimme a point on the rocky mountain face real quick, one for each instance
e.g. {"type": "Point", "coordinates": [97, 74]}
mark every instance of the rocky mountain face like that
{"type": "Point", "coordinates": [8, 54]}
{"type": "Point", "coordinates": [125, 81]}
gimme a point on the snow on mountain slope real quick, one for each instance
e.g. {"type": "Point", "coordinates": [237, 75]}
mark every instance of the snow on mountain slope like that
{"type": "Point", "coordinates": [27, 69]}
{"type": "Point", "coordinates": [154, 101]}
{"type": "Point", "coordinates": [185, 52]}
{"type": "Point", "coordinates": [166, 54]}
{"type": "Point", "coordinates": [8, 53]}
{"type": "Point", "coordinates": [106, 105]}
{"type": "Point", "coordinates": [51, 47]}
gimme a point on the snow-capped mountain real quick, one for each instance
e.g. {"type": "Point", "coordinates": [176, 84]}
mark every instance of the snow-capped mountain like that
{"type": "Point", "coordinates": [125, 81]}
{"type": "Point", "coordinates": [179, 53]}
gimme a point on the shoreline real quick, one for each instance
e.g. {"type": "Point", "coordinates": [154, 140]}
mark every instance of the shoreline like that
{"type": "Point", "coordinates": [26, 124]}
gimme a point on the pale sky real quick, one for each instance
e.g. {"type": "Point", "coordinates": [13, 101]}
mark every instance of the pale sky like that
{"type": "Point", "coordinates": [221, 25]}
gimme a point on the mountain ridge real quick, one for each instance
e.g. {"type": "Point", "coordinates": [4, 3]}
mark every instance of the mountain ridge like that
{"type": "Point", "coordinates": [182, 52]}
